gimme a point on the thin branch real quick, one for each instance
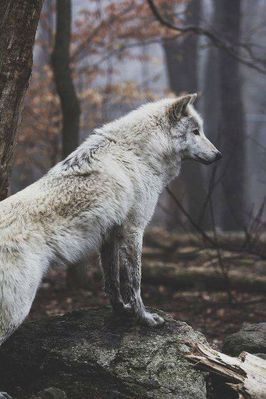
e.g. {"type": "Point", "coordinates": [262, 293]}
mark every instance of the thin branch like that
{"type": "Point", "coordinates": [116, 51]}
{"type": "Point", "coordinates": [193, 223]}
{"type": "Point", "coordinates": [213, 37]}
{"type": "Point", "coordinates": [83, 46]}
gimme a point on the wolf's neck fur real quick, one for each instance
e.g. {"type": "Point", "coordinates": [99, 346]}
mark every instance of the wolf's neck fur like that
{"type": "Point", "coordinates": [139, 132]}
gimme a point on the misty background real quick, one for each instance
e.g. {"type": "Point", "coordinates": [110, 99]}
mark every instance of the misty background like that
{"type": "Point", "coordinates": [122, 57]}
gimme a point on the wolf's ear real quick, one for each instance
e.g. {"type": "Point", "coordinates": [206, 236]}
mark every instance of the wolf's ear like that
{"type": "Point", "coordinates": [193, 98]}
{"type": "Point", "coordinates": [178, 108]}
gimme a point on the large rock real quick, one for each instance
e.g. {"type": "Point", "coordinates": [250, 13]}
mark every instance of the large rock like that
{"type": "Point", "coordinates": [89, 354]}
{"type": "Point", "coordinates": [251, 338]}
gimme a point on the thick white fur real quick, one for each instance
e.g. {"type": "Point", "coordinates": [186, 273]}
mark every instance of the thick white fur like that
{"type": "Point", "coordinates": [113, 179]}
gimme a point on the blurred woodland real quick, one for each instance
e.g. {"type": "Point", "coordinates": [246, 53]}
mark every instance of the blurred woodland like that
{"type": "Point", "coordinates": [205, 253]}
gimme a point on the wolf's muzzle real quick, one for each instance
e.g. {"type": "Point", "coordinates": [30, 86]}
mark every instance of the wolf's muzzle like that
{"type": "Point", "coordinates": [219, 155]}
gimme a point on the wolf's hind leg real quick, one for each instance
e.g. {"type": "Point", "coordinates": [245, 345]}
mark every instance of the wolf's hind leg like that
{"type": "Point", "coordinates": [13, 313]}
{"type": "Point", "coordinates": [18, 285]}
{"type": "Point", "coordinates": [110, 265]}
{"type": "Point", "coordinates": [10, 320]}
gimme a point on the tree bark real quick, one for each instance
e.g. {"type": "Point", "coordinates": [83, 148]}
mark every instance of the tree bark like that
{"type": "Point", "coordinates": [18, 24]}
{"type": "Point", "coordinates": [231, 123]}
{"type": "Point", "coordinates": [182, 66]}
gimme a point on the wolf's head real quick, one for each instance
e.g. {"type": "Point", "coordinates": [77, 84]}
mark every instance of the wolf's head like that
{"type": "Point", "coordinates": [186, 128]}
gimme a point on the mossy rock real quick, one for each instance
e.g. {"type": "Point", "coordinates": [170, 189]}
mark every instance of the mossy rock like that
{"type": "Point", "coordinates": [90, 354]}
{"type": "Point", "coordinates": [251, 338]}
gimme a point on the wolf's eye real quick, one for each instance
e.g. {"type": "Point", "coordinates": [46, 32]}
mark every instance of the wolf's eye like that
{"type": "Point", "coordinates": [196, 132]}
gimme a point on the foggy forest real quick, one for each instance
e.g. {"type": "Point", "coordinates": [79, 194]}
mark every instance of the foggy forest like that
{"type": "Point", "coordinates": [70, 66]}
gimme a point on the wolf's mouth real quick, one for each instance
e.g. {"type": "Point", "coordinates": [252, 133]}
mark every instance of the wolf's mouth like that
{"type": "Point", "coordinates": [202, 160]}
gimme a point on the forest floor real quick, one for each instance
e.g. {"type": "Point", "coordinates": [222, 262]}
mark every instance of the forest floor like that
{"type": "Point", "coordinates": [208, 312]}
{"type": "Point", "coordinates": [205, 308]}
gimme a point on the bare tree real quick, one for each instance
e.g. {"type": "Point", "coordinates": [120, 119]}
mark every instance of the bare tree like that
{"type": "Point", "coordinates": [63, 79]}
{"type": "Point", "coordinates": [231, 123]}
{"type": "Point", "coordinates": [211, 113]}
{"type": "Point", "coordinates": [18, 24]}
{"type": "Point", "coordinates": [182, 65]}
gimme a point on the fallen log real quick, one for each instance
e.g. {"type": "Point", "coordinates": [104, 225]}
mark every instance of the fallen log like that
{"type": "Point", "coordinates": [176, 276]}
{"type": "Point", "coordinates": [245, 374]}
{"type": "Point", "coordinates": [235, 242]}
{"type": "Point", "coordinates": [200, 277]}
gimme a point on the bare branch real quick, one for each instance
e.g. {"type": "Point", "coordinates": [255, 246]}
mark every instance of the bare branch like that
{"type": "Point", "coordinates": [232, 50]}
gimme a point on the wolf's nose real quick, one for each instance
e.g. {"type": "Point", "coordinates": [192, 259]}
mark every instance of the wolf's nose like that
{"type": "Point", "coordinates": [219, 155]}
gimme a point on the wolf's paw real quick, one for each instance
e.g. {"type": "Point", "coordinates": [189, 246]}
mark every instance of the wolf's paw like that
{"type": "Point", "coordinates": [122, 309]}
{"type": "Point", "coordinates": [4, 395]}
{"type": "Point", "coordinates": [127, 308]}
{"type": "Point", "coordinates": [151, 319]}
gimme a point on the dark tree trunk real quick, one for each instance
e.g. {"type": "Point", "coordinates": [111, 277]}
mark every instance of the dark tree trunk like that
{"type": "Point", "coordinates": [18, 24]}
{"type": "Point", "coordinates": [211, 115]}
{"type": "Point", "coordinates": [182, 65]}
{"type": "Point", "coordinates": [181, 55]}
{"type": "Point", "coordinates": [63, 79]}
{"type": "Point", "coordinates": [231, 124]}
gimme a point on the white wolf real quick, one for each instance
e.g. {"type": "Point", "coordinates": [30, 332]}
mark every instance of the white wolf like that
{"type": "Point", "coordinates": [101, 196]}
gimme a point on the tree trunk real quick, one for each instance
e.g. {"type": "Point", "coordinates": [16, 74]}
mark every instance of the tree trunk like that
{"type": "Point", "coordinates": [18, 24]}
{"type": "Point", "coordinates": [211, 116]}
{"type": "Point", "coordinates": [63, 79]}
{"type": "Point", "coordinates": [231, 124]}
{"type": "Point", "coordinates": [182, 65]}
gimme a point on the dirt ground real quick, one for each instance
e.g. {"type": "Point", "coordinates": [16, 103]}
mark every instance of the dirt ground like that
{"type": "Point", "coordinates": [208, 312]}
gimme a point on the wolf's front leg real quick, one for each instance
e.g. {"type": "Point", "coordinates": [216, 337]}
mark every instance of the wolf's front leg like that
{"type": "Point", "coordinates": [4, 395]}
{"type": "Point", "coordinates": [110, 265]}
{"type": "Point", "coordinates": [130, 262]}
